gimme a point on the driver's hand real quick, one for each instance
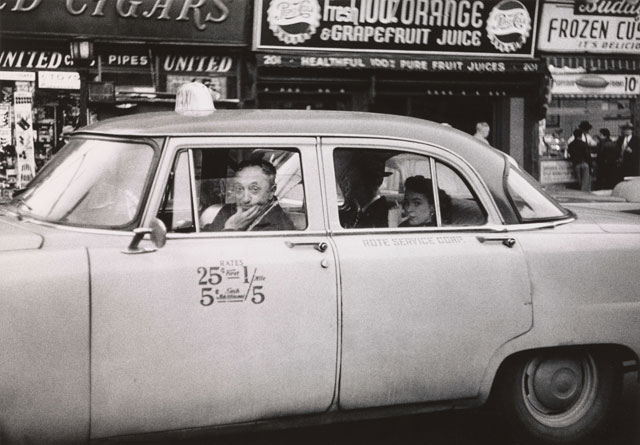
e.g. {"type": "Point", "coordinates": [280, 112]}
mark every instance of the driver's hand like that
{"type": "Point", "coordinates": [242, 218]}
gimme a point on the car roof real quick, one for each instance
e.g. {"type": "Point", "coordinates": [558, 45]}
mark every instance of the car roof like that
{"type": "Point", "coordinates": [489, 162]}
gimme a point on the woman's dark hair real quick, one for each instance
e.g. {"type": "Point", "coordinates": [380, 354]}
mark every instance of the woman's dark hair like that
{"type": "Point", "coordinates": [420, 184]}
{"type": "Point", "coordinates": [605, 132]}
{"type": "Point", "coordinates": [424, 186]}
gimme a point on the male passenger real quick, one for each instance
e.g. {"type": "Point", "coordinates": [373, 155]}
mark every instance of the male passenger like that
{"type": "Point", "coordinates": [256, 207]}
{"type": "Point", "coordinates": [364, 206]}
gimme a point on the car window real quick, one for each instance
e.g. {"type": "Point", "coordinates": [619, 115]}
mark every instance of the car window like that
{"type": "Point", "coordinates": [242, 189]}
{"type": "Point", "coordinates": [459, 206]}
{"type": "Point", "coordinates": [389, 188]}
{"type": "Point", "coordinates": [530, 202]}
{"type": "Point", "coordinates": [177, 207]}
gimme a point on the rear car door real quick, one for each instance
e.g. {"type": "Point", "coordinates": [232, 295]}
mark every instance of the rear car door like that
{"type": "Point", "coordinates": [423, 307]}
{"type": "Point", "coordinates": [217, 327]}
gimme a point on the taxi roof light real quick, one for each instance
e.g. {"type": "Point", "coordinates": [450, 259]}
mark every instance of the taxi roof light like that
{"type": "Point", "coordinates": [194, 99]}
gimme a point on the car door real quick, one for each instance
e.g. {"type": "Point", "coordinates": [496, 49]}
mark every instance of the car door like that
{"type": "Point", "coordinates": [425, 307]}
{"type": "Point", "coordinates": [216, 327]}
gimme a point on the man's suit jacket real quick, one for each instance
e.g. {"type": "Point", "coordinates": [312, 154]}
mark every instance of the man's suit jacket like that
{"type": "Point", "coordinates": [630, 160]}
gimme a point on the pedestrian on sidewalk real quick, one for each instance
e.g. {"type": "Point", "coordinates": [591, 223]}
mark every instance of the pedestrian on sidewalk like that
{"type": "Point", "coordinates": [629, 149]}
{"type": "Point", "coordinates": [580, 156]}
{"type": "Point", "coordinates": [482, 132]}
{"type": "Point", "coordinates": [607, 161]}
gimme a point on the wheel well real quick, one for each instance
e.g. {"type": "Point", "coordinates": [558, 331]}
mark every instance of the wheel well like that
{"type": "Point", "coordinates": [626, 357]}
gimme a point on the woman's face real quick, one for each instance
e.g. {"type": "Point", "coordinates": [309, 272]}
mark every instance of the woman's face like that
{"type": "Point", "coordinates": [417, 208]}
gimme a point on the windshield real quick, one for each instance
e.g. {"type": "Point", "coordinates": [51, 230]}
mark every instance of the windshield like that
{"type": "Point", "coordinates": [90, 183]}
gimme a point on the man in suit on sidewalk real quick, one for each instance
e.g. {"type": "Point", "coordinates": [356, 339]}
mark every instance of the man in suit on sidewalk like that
{"type": "Point", "coordinates": [629, 148]}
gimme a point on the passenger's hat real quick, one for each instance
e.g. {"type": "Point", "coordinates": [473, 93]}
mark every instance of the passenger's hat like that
{"type": "Point", "coordinates": [585, 126]}
{"type": "Point", "coordinates": [372, 168]}
{"type": "Point", "coordinates": [627, 126]}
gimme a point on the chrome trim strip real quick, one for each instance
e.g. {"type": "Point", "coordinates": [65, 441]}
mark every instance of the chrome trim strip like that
{"type": "Point", "coordinates": [435, 188]}
{"type": "Point", "coordinates": [493, 228]}
{"type": "Point", "coordinates": [245, 234]}
{"type": "Point", "coordinates": [540, 225]}
{"type": "Point", "coordinates": [192, 182]}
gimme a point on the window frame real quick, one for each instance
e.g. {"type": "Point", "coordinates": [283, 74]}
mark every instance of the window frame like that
{"type": "Point", "coordinates": [305, 146]}
{"type": "Point", "coordinates": [435, 153]}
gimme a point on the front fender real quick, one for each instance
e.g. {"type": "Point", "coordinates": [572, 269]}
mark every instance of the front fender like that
{"type": "Point", "coordinates": [44, 345]}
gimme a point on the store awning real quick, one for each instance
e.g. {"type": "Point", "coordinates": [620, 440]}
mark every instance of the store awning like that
{"type": "Point", "coordinates": [595, 64]}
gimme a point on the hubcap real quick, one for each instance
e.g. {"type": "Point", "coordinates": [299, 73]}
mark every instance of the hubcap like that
{"type": "Point", "coordinates": [559, 390]}
{"type": "Point", "coordinates": [557, 384]}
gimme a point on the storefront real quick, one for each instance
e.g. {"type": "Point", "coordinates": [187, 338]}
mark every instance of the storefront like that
{"type": "Point", "coordinates": [452, 62]}
{"type": "Point", "coordinates": [143, 51]}
{"type": "Point", "coordinates": [591, 48]}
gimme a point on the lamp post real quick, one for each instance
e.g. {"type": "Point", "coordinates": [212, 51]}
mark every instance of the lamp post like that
{"type": "Point", "coordinates": [81, 49]}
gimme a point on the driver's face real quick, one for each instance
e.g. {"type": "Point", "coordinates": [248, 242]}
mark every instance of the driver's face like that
{"type": "Point", "coordinates": [252, 188]}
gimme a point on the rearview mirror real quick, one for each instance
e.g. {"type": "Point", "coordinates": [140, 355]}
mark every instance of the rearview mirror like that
{"type": "Point", "coordinates": [157, 232]}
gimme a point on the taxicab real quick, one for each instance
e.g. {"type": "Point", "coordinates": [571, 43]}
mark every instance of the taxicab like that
{"type": "Point", "coordinates": [193, 271]}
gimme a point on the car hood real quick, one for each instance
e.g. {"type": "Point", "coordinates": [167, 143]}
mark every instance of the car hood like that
{"type": "Point", "coordinates": [607, 220]}
{"type": "Point", "coordinates": [16, 237]}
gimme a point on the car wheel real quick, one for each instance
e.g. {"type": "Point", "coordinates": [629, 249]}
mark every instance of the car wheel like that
{"type": "Point", "coordinates": [561, 397]}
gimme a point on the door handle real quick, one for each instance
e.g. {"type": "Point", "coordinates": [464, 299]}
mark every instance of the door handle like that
{"type": "Point", "coordinates": [320, 246]}
{"type": "Point", "coordinates": [506, 240]}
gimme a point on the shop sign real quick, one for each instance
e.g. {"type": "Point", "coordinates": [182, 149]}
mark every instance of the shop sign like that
{"type": "Point", "coordinates": [206, 21]}
{"type": "Point", "coordinates": [596, 84]}
{"type": "Point", "coordinates": [126, 60]}
{"type": "Point", "coordinates": [37, 60]}
{"type": "Point", "coordinates": [21, 76]}
{"type": "Point", "coordinates": [556, 172]}
{"type": "Point", "coordinates": [398, 62]}
{"type": "Point", "coordinates": [504, 28]}
{"type": "Point", "coordinates": [59, 80]}
{"type": "Point", "coordinates": [597, 26]}
{"type": "Point", "coordinates": [197, 64]}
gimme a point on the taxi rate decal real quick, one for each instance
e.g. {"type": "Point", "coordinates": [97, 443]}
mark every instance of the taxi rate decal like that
{"type": "Point", "coordinates": [230, 282]}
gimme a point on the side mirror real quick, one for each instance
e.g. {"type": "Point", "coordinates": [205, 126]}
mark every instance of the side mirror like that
{"type": "Point", "coordinates": [157, 232]}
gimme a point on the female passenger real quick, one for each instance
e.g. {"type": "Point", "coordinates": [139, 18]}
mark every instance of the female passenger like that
{"type": "Point", "coordinates": [417, 204]}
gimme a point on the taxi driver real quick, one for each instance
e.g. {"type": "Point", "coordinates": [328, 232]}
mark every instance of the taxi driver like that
{"type": "Point", "coordinates": [256, 207]}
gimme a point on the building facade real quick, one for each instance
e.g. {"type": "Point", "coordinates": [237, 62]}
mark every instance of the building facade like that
{"type": "Point", "coordinates": [143, 50]}
{"type": "Point", "coordinates": [592, 49]}
{"type": "Point", "coordinates": [455, 62]}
